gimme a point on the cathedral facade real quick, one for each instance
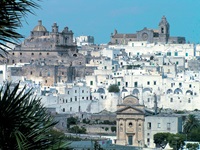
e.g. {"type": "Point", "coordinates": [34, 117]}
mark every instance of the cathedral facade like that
{"type": "Point", "coordinates": [160, 35]}
{"type": "Point", "coordinates": [47, 57]}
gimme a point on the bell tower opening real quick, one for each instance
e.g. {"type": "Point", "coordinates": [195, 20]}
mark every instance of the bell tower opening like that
{"type": "Point", "coordinates": [163, 30]}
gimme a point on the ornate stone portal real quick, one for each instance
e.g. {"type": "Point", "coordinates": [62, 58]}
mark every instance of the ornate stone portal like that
{"type": "Point", "coordinates": [130, 122]}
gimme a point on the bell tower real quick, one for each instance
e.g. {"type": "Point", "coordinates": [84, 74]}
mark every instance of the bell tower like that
{"type": "Point", "coordinates": [163, 30]}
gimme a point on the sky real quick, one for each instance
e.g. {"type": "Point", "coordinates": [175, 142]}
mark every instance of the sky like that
{"type": "Point", "coordinates": [99, 18]}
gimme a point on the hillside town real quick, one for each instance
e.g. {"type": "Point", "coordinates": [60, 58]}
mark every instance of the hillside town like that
{"type": "Point", "coordinates": [122, 92]}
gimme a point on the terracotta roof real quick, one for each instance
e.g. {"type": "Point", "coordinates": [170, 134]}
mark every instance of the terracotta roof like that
{"type": "Point", "coordinates": [125, 36]}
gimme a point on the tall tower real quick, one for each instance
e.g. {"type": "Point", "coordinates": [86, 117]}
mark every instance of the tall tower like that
{"type": "Point", "coordinates": [163, 30]}
{"type": "Point", "coordinates": [55, 28]}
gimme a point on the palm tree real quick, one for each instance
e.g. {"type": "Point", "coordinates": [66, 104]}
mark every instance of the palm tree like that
{"type": "Point", "coordinates": [12, 12]}
{"type": "Point", "coordinates": [191, 123]}
{"type": "Point", "coordinates": [24, 122]}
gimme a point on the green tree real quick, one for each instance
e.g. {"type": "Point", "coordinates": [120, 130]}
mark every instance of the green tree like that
{"type": "Point", "coordinates": [25, 123]}
{"type": "Point", "coordinates": [192, 146]}
{"type": "Point", "coordinates": [86, 121]}
{"type": "Point", "coordinates": [71, 121]}
{"type": "Point", "coordinates": [12, 12]}
{"type": "Point", "coordinates": [113, 88]}
{"type": "Point", "coordinates": [194, 135]}
{"type": "Point", "coordinates": [113, 128]}
{"type": "Point", "coordinates": [77, 129]}
{"type": "Point", "coordinates": [161, 139]}
{"type": "Point", "coordinates": [191, 123]}
{"type": "Point", "coordinates": [176, 141]}
{"type": "Point", "coordinates": [97, 146]}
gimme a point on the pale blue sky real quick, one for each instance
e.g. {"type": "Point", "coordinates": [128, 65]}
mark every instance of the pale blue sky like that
{"type": "Point", "coordinates": [99, 18]}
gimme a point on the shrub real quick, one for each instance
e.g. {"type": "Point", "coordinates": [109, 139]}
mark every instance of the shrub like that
{"type": "Point", "coordinates": [113, 129]}
{"type": "Point", "coordinates": [113, 88]}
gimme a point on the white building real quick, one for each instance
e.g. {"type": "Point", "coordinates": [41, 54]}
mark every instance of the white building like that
{"type": "Point", "coordinates": [159, 124]}
{"type": "Point", "coordinates": [84, 40]}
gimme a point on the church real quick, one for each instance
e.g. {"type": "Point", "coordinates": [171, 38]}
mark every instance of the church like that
{"type": "Point", "coordinates": [160, 35]}
{"type": "Point", "coordinates": [47, 57]}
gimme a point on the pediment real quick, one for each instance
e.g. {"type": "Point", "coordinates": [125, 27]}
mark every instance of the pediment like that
{"type": "Point", "coordinates": [130, 110]}
{"type": "Point", "coordinates": [131, 100]}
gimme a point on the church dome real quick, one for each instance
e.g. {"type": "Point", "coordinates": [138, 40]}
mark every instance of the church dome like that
{"type": "Point", "coordinates": [39, 27]}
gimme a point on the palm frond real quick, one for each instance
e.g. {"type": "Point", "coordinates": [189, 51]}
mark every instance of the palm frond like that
{"type": "Point", "coordinates": [26, 123]}
{"type": "Point", "coordinates": [11, 14]}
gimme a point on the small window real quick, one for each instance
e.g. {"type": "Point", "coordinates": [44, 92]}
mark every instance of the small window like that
{"type": "Point", "coordinates": [62, 73]}
{"type": "Point", "coordinates": [130, 124]}
{"type": "Point", "coordinates": [154, 82]}
{"type": "Point", "coordinates": [13, 53]}
{"type": "Point", "coordinates": [79, 108]}
{"type": "Point", "coordinates": [135, 84]}
{"type": "Point", "coordinates": [40, 53]}
{"type": "Point", "coordinates": [31, 73]}
{"type": "Point", "coordinates": [82, 91]}
{"type": "Point", "coordinates": [148, 141]}
{"type": "Point", "coordinates": [75, 91]}
{"type": "Point", "coordinates": [168, 53]}
{"type": "Point", "coordinates": [168, 126]}
{"type": "Point", "coordinates": [70, 99]}
{"type": "Point", "coordinates": [75, 98]}
{"type": "Point", "coordinates": [148, 83]}
{"type": "Point", "coordinates": [118, 83]}
{"type": "Point", "coordinates": [91, 82]}
{"type": "Point", "coordinates": [47, 53]}
{"type": "Point", "coordinates": [63, 109]}
{"type": "Point", "coordinates": [20, 53]}
{"type": "Point", "coordinates": [158, 125]}
{"type": "Point", "coordinates": [32, 53]}
{"type": "Point", "coordinates": [149, 125]}
{"type": "Point", "coordinates": [190, 85]}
